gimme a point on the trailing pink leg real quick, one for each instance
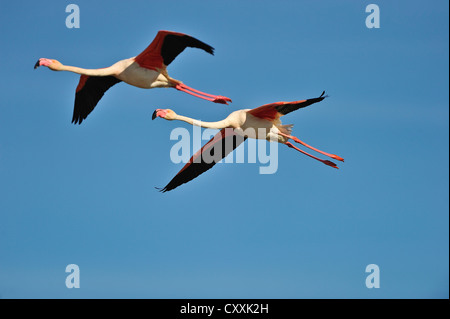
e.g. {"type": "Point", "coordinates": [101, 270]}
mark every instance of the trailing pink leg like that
{"type": "Point", "coordinates": [209, 97]}
{"type": "Point", "coordinates": [295, 139]}
{"type": "Point", "coordinates": [326, 162]}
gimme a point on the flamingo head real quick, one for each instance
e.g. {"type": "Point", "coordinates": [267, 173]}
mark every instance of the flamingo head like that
{"type": "Point", "coordinates": [165, 114]}
{"type": "Point", "coordinates": [52, 64]}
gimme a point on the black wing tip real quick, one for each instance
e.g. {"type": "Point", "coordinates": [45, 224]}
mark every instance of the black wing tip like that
{"type": "Point", "coordinates": [323, 96]}
{"type": "Point", "coordinates": [76, 120]}
{"type": "Point", "coordinates": [210, 50]}
{"type": "Point", "coordinates": [36, 65]}
{"type": "Point", "coordinates": [206, 47]}
{"type": "Point", "coordinates": [162, 190]}
{"type": "Point", "coordinates": [200, 44]}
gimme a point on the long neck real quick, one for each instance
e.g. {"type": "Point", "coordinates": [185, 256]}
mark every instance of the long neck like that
{"type": "Point", "coordinates": [89, 72]}
{"type": "Point", "coordinates": [214, 125]}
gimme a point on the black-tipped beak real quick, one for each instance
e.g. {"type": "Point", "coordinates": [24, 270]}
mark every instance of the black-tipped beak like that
{"type": "Point", "coordinates": [154, 115]}
{"type": "Point", "coordinates": [37, 64]}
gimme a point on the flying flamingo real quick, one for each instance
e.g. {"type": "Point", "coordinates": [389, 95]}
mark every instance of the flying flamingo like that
{"type": "Point", "coordinates": [147, 71]}
{"type": "Point", "coordinates": [261, 123]}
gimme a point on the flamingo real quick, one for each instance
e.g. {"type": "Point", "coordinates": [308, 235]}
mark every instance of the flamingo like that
{"type": "Point", "coordinates": [147, 71]}
{"type": "Point", "coordinates": [260, 123]}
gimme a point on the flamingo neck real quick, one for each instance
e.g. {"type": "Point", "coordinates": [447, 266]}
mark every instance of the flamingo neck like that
{"type": "Point", "coordinates": [213, 125]}
{"type": "Point", "coordinates": [89, 72]}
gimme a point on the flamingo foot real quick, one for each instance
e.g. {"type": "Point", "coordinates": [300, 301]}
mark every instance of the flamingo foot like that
{"type": "Point", "coordinates": [222, 99]}
{"type": "Point", "coordinates": [330, 163]}
{"type": "Point", "coordinates": [336, 157]}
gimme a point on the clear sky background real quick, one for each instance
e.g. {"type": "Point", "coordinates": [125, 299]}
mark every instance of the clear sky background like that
{"type": "Point", "coordinates": [85, 194]}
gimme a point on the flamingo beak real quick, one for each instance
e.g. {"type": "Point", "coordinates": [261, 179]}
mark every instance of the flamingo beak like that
{"type": "Point", "coordinates": [44, 62]}
{"type": "Point", "coordinates": [159, 113]}
{"type": "Point", "coordinates": [37, 64]}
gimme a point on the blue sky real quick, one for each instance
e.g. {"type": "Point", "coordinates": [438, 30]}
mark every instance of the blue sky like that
{"type": "Point", "coordinates": [85, 194]}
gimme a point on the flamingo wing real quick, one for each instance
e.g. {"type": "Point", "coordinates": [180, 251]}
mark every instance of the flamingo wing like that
{"type": "Point", "coordinates": [89, 91]}
{"type": "Point", "coordinates": [274, 111]}
{"type": "Point", "coordinates": [166, 46]}
{"type": "Point", "coordinates": [224, 142]}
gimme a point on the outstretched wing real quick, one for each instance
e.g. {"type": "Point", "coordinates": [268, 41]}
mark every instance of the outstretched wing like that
{"type": "Point", "coordinates": [165, 48]}
{"type": "Point", "coordinates": [273, 111]}
{"type": "Point", "coordinates": [222, 144]}
{"type": "Point", "coordinates": [89, 91]}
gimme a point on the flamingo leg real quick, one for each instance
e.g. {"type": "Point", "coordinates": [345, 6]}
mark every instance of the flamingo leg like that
{"type": "Point", "coordinates": [213, 98]}
{"type": "Point", "coordinates": [326, 162]}
{"type": "Point", "coordinates": [295, 139]}
{"type": "Point", "coordinates": [183, 87]}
